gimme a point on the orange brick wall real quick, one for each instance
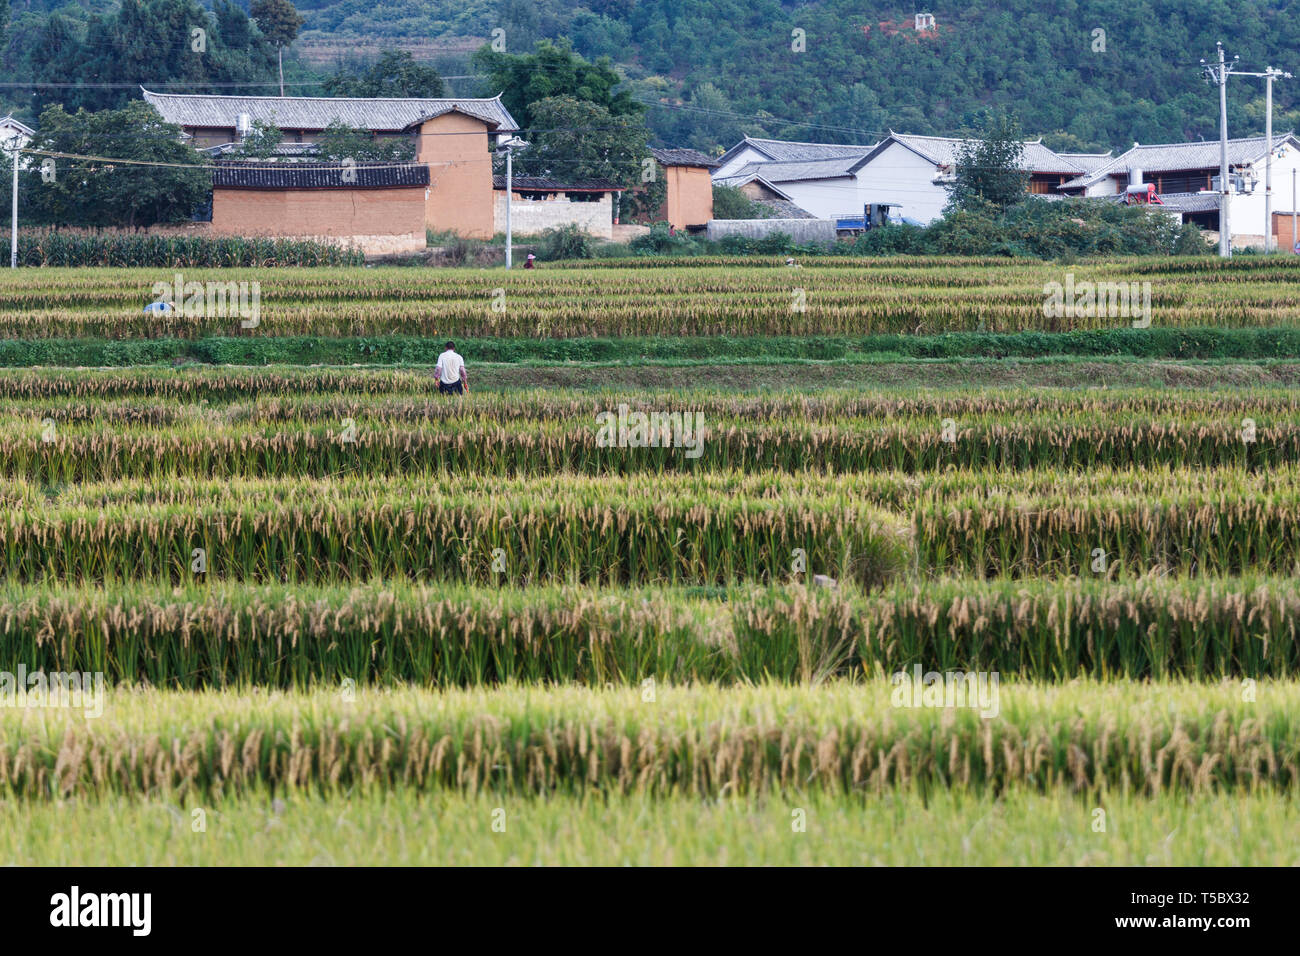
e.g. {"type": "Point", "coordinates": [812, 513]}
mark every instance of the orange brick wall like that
{"type": "Point", "coordinates": [460, 175]}
{"type": "Point", "coordinates": [690, 196]}
{"type": "Point", "coordinates": [318, 212]}
{"type": "Point", "coordinates": [1282, 229]}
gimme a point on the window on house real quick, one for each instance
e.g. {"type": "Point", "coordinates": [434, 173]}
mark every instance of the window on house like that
{"type": "Point", "coordinates": [1180, 182]}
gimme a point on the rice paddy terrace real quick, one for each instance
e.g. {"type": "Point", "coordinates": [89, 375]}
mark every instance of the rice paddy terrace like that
{"type": "Point", "coordinates": [337, 588]}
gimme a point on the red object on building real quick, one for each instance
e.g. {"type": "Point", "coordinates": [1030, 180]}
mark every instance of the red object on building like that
{"type": "Point", "coordinates": [1142, 195]}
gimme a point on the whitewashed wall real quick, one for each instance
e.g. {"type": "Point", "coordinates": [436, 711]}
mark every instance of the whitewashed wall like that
{"type": "Point", "coordinates": [899, 176]}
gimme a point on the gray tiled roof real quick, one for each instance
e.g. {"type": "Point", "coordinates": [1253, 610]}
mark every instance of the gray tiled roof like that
{"type": "Point", "coordinates": [317, 112]}
{"type": "Point", "coordinates": [942, 151]}
{"type": "Point", "coordinates": [796, 171]}
{"type": "Point", "coordinates": [683, 157]}
{"type": "Point", "coordinates": [542, 184]}
{"type": "Point", "coordinates": [784, 209]}
{"type": "Point", "coordinates": [738, 181]}
{"type": "Point", "coordinates": [318, 176]}
{"type": "Point", "coordinates": [1088, 161]}
{"type": "Point", "coordinates": [18, 124]}
{"type": "Point", "coordinates": [1168, 157]}
{"type": "Point", "coordinates": [1183, 202]}
{"type": "Point", "coordinates": [779, 150]}
{"type": "Point", "coordinates": [782, 151]}
{"type": "Point", "coordinates": [288, 150]}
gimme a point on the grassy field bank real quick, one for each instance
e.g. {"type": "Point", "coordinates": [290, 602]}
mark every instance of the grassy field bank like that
{"type": "Point", "coordinates": [899, 829]}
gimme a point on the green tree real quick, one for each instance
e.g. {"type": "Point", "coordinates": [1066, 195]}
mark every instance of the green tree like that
{"type": "Point", "coordinates": [554, 70]}
{"type": "Point", "coordinates": [91, 192]}
{"type": "Point", "coordinates": [152, 40]}
{"type": "Point", "coordinates": [987, 169]}
{"type": "Point", "coordinates": [261, 141]}
{"type": "Point", "coordinates": [730, 203]}
{"type": "Point", "coordinates": [395, 73]}
{"type": "Point", "coordinates": [577, 139]}
{"type": "Point", "coordinates": [279, 22]}
{"type": "Point", "coordinates": [339, 141]}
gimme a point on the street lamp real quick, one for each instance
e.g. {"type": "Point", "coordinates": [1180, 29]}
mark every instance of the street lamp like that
{"type": "Point", "coordinates": [509, 146]}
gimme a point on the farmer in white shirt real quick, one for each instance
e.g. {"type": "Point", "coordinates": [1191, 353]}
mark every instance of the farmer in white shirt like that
{"type": "Point", "coordinates": [452, 378]}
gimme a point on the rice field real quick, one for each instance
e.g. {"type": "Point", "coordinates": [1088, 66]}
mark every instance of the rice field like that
{"type": "Point", "coordinates": [946, 620]}
{"type": "Point", "coordinates": [704, 298]}
{"type": "Point", "coordinates": [406, 828]}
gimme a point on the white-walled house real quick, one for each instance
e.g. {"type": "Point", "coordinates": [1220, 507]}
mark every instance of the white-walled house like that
{"type": "Point", "coordinates": [1183, 175]}
{"type": "Point", "coordinates": [909, 172]}
{"type": "Point", "coordinates": [12, 131]}
{"type": "Point", "coordinates": [826, 188]}
{"type": "Point", "coordinates": [819, 178]}
{"type": "Point", "coordinates": [751, 150]}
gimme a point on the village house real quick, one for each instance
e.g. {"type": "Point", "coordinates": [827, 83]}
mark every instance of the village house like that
{"type": "Point", "coordinates": [453, 139]}
{"type": "Point", "coordinates": [15, 135]}
{"type": "Point", "coordinates": [911, 172]}
{"type": "Point", "coordinates": [1183, 176]}
{"type": "Point", "coordinates": [380, 208]}
{"type": "Point", "coordinates": [815, 179]}
{"type": "Point", "coordinates": [688, 202]}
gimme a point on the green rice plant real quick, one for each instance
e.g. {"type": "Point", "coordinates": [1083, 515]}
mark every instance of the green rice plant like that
{"type": "Point", "coordinates": [584, 530]}
{"type": "Point", "coordinates": [836, 739]}
{"type": "Point", "coordinates": [371, 827]}
{"type": "Point", "coordinates": [452, 635]}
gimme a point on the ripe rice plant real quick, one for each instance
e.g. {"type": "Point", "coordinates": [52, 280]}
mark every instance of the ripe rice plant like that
{"type": "Point", "coordinates": [584, 531]}
{"type": "Point", "coordinates": [449, 635]}
{"type": "Point", "coordinates": [1150, 739]}
{"type": "Point", "coordinates": [745, 298]}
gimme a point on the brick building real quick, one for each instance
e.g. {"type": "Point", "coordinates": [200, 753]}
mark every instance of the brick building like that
{"type": "Point", "coordinates": [453, 138]}
{"type": "Point", "coordinates": [688, 174]}
{"type": "Point", "coordinates": [380, 208]}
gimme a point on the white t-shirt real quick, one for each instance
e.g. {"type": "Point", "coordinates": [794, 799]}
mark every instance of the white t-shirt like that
{"type": "Point", "coordinates": [449, 366]}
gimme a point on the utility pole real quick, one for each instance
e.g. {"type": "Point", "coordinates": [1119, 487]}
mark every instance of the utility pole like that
{"type": "Point", "coordinates": [1218, 74]}
{"type": "Point", "coordinates": [1295, 239]}
{"type": "Point", "coordinates": [13, 235]}
{"type": "Point", "coordinates": [509, 146]}
{"type": "Point", "coordinates": [1268, 160]}
{"type": "Point", "coordinates": [1269, 75]}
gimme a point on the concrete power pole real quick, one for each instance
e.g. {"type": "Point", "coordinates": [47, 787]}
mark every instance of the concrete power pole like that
{"type": "Point", "coordinates": [1269, 75]}
{"type": "Point", "coordinates": [1218, 75]}
{"type": "Point", "coordinates": [1225, 196]}
{"type": "Point", "coordinates": [509, 146]}
{"type": "Point", "coordinates": [13, 236]}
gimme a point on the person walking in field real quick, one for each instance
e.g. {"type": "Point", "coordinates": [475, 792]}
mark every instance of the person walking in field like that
{"type": "Point", "coordinates": [528, 263]}
{"type": "Point", "coordinates": [452, 377]}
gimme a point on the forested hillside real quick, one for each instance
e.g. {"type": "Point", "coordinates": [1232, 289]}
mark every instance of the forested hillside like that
{"type": "Point", "coordinates": [714, 69]}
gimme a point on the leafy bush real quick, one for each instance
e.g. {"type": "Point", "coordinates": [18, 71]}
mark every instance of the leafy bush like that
{"type": "Point", "coordinates": [660, 241]}
{"type": "Point", "coordinates": [730, 203]}
{"type": "Point", "coordinates": [901, 240]}
{"type": "Point", "coordinates": [566, 242]}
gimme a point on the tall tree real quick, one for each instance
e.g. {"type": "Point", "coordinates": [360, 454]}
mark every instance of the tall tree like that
{"type": "Point", "coordinates": [395, 73]}
{"type": "Point", "coordinates": [279, 22]}
{"type": "Point", "coordinates": [576, 139]}
{"type": "Point", "coordinates": [91, 192]}
{"type": "Point", "coordinates": [987, 169]}
{"type": "Point", "coordinates": [553, 69]}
